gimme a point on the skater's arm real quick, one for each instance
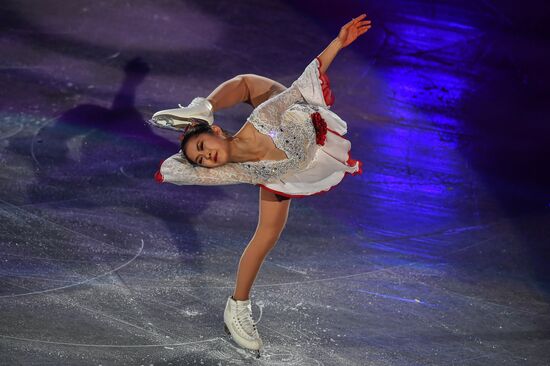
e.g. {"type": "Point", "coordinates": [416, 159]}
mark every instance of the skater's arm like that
{"type": "Point", "coordinates": [348, 33]}
{"type": "Point", "coordinates": [329, 53]}
{"type": "Point", "coordinates": [305, 88]}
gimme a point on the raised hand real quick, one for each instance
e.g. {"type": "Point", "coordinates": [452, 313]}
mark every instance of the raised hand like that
{"type": "Point", "coordinates": [353, 29]}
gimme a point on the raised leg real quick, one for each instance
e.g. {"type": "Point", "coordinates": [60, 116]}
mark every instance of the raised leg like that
{"type": "Point", "coordinates": [248, 88]}
{"type": "Point", "coordinates": [272, 220]}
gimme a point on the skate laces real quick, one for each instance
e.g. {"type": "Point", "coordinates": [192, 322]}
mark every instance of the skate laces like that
{"type": "Point", "coordinates": [244, 314]}
{"type": "Point", "coordinates": [194, 103]}
{"type": "Point", "coordinates": [202, 103]}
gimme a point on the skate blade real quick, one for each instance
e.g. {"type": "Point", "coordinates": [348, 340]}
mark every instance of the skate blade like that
{"type": "Point", "coordinates": [228, 332]}
{"type": "Point", "coordinates": [185, 119]}
{"type": "Point", "coordinates": [154, 123]}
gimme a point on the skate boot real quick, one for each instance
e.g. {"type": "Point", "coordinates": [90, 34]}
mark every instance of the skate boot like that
{"type": "Point", "coordinates": [239, 324]}
{"type": "Point", "coordinates": [199, 110]}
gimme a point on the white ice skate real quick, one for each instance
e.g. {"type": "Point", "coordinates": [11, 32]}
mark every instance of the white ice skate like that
{"type": "Point", "coordinates": [199, 110]}
{"type": "Point", "coordinates": [239, 324]}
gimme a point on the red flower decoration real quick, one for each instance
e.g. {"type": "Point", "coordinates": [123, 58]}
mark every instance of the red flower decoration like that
{"type": "Point", "coordinates": [320, 128]}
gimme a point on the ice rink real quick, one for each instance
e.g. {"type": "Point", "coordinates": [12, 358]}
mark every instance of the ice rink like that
{"type": "Point", "coordinates": [438, 254]}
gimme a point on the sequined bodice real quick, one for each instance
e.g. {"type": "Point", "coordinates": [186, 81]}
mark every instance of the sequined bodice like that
{"type": "Point", "coordinates": [291, 131]}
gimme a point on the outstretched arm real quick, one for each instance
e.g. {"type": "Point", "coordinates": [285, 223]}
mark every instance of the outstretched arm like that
{"type": "Point", "coordinates": [348, 33]}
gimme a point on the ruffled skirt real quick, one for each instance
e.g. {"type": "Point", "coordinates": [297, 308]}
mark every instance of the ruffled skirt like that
{"type": "Point", "coordinates": [331, 162]}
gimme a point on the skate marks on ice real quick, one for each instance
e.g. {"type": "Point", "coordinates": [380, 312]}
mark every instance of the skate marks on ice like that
{"type": "Point", "coordinates": [287, 355]}
{"type": "Point", "coordinates": [214, 351]}
{"type": "Point", "coordinates": [277, 351]}
{"type": "Point", "coordinates": [10, 128]}
{"type": "Point", "coordinates": [35, 138]}
{"type": "Point", "coordinates": [212, 348]}
{"type": "Point", "coordinates": [80, 282]}
{"type": "Point", "coordinates": [168, 346]}
{"type": "Point", "coordinates": [271, 354]}
{"type": "Point", "coordinates": [23, 216]}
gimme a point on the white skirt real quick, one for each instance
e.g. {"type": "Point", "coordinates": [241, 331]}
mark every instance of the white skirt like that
{"type": "Point", "coordinates": [331, 162]}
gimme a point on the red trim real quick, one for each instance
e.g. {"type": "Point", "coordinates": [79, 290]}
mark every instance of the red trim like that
{"type": "Point", "coordinates": [293, 195]}
{"type": "Point", "coordinates": [158, 175]}
{"type": "Point", "coordinates": [301, 195]}
{"type": "Point", "coordinates": [336, 133]}
{"type": "Point", "coordinates": [349, 162]}
{"type": "Point", "coordinates": [325, 85]}
{"type": "Point", "coordinates": [281, 193]}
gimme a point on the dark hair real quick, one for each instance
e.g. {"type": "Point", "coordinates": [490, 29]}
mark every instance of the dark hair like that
{"type": "Point", "coordinates": [195, 130]}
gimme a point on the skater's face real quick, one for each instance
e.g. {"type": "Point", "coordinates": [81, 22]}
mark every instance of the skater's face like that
{"type": "Point", "coordinates": [208, 150]}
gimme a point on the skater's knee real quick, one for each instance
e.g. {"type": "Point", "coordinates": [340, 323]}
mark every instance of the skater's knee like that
{"type": "Point", "coordinates": [269, 234]}
{"type": "Point", "coordinates": [249, 77]}
{"type": "Point", "coordinates": [240, 78]}
{"type": "Point", "coordinates": [260, 88]}
{"type": "Point", "coordinates": [243, 87]}
{"type": "Point", "coordinates": [246, 80]}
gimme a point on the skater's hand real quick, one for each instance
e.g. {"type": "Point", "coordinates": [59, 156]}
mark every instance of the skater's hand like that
{"type": "Point", "coordinates": [353, 29]}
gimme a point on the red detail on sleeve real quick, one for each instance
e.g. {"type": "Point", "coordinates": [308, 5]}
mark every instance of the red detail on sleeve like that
{"type": "Point", "coordinates": [325, 86]}
{"type": "Point", "coordinates": [158, 176]}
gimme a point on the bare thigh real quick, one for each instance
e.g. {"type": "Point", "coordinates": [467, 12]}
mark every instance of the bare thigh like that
{"type": "Point", "coordinates": [273, 215]}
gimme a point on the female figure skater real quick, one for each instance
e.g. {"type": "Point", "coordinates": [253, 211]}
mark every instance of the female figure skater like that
{"type": "Point", "coordinates": [291, 146]}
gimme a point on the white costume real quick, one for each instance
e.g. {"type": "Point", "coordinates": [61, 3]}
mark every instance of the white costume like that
{"type": "Point", "coordinates": [299, 122]}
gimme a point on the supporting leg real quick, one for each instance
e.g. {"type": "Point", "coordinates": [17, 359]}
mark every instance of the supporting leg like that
{"type": "Point", "coordinates": [273, 216]}
{"type": "Point", "coordinates": [248, 88]}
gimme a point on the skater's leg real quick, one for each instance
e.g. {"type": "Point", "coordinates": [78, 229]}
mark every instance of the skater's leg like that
{"type": "Point", "coordinates": [248, 88]}
{"type": "Point", "coordinates": [273, 215]}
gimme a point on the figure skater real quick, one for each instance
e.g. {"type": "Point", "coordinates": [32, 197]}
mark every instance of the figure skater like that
{"type": "Point", "coordinates": [291, 146]}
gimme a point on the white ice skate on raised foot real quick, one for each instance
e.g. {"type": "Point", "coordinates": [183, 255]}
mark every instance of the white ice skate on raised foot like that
{"type": "Point", "coordinates": [239, 324]}
{"type": "Point", "coordinates": [199, 110]}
